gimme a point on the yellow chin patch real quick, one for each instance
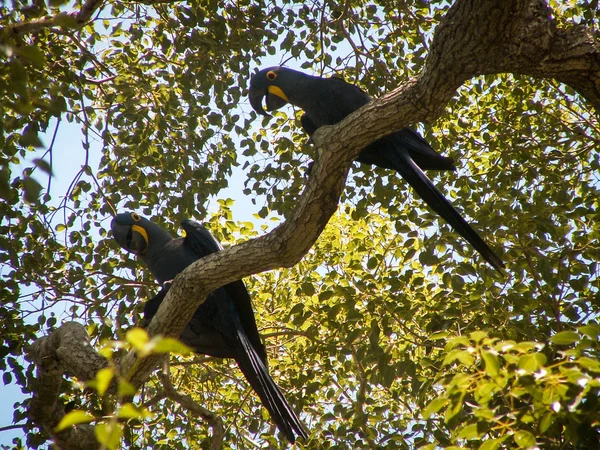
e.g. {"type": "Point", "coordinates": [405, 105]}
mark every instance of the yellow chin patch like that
{"type": "Point", "coordinates": [278, 92]}
{"type": "Point", "coordinates": [141, 231]}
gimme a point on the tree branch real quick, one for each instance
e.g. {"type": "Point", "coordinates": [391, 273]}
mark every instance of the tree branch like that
{"type": "Point", "coordinates": [72, 20]}
{"type": "Point", "coordinates": [66, 350]}
{"type": "Point", "coordinates": [76, 19]}
{"type": "Point", "coordinates": [188, 403]}
{"type": "Point", "coordinates": [476, 37]}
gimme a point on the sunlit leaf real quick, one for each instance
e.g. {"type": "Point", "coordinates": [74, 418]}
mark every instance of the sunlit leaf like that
{"type": "Point", "coordinates": [434, 406]}
{"type": "Point", "coordinates": [73, 418]}
{"type": "Point", "coordinates": [103, 379]}
{"type": "Point", "coordinates": [130, 411]}
{"type": "Point", "coordinates": [138, 338]}
{"type": "Point", "coordinates": [109, 434]}
{"type": "Point", "coordinates": [492, 366]}
{"type": "Point", "coordinates": [524, 439]}
{"type": "Point", "coordinates": [170, 345]}
{"type": "Point", "coordinates": [565, 338]}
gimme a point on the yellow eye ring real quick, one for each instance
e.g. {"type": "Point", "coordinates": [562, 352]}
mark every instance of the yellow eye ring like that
{"type": "Point", "coordinates": [271, 75]}
{"type": "Point", "coordinates": [135, 217]}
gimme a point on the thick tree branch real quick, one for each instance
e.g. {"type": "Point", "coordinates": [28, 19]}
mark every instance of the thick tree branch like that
{"type": "Point", "coordinates": [479, 37]}
{"type": "Point", "coordinates": [575, 61]}
{"type": "Point", "coordinates": [476, 37]}
{"type": "Point", "coordinates": [65, 351]}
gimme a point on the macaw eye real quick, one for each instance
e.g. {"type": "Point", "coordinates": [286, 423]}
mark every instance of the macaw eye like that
{"type": "Point", "coordinates": [135, 217]}
{"type": "Point", "coordinates": [271, 75]}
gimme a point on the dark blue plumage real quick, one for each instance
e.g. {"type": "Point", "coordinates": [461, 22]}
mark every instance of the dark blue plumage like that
{"type": "Point", "coordinates": [224, 325]}
{"type": "Point", "coordinates": [327, 101]}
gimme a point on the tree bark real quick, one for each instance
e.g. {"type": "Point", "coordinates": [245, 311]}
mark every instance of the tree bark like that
{"type": "Point", "coordinates": [476, 37]}
{"type": "Point", "coordinates": [66, 351]}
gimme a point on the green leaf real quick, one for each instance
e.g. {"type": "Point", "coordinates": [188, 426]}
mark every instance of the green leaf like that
{"type": "Point", "coordinates": [43, 165]}
{"type": "Point", "coordinates": [30, 137]}
{"type": "Point", "coordinates": [464, 356]}
{"type": "Point", "coordinates": [565, 338]}
{"type": "Point", "coordinates": [492, 365]}
{"type": "Point", "coordinates": [484, 413]}
{"type": "Point", "coordinates": [526, 346]}
{"type": "Point", "coordinates": [589, 363]}
{"type": "Point", "coordinates": [31, 190]}
{"type": "Point", "coordinates": [33, 54]}
{"type": "Point", "coordinates": [374, 334]}
{"type": "Point", "coordinates": [434, 406]}
{"type": "Point", "coordinates": [130, 411]}
{"type": "Point", "coordinates": [138, 338]}
{"type": "Point", "coordinates": [65, 20]}
{"type": "Point", "coordinates": [125, 389]}
{"type": "Point", "coordinates": [372, 262]}
{"type": "Point", "coordinates": [454, 408]}
{"type": "Point", "coordinates": [171, 345]}
{"type": "Point", "coordinates": [325, 295]}
{"type": "Point", "coordinates": [529, 363]}
{"type": "Point", "coordinates": [457, 341]}
{"type": "Point", "coordinates": [484, 391]}
{"type": "Point", "coordinates": [106, 352]}
{"type": "Point", "coordinates": [491, 444]}
{"type": "Point", "coordinates": [524, 439]}
{"type": "Point", "coordinates": [478, 336]}
{"type": "Point", "coordinates": [592, 331]}
{"type": "Point", "coordinates": [469, 432]}
{"type": "Point", "coordinates": [439, 335]}
{"type": "Point", "coordinates": [4, 184]}
{"type": "Point", "coordinates": [109, 434]}
{"type": "Point", "coordinates": [458, 283]}
{"type": "Point", "coordinates": [547, 421]}
{"type": "Point", "coordinates": [308, 288]}
{"type": "Point", "coordinates": [103, 379]}
{"type": "Point", "coordinates": [73, 418]}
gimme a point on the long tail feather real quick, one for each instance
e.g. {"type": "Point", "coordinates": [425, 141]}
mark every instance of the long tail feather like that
{"type": "Point", "coordinates": [407, 168]}
{"type": "Point", "coordinates": [421, 152]}
{"type": "Point", "coordinates": [269, 393]}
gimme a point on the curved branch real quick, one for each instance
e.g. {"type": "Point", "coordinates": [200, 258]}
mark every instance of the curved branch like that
{"type": "Point", "coordinates": [71, 20]}
{"type": "Point", "coordinates": [476, 37]}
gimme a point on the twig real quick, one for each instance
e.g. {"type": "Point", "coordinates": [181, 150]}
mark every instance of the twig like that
{"type": "Point", "coordinates": [14, 427]}
{"type": "Point", "coordinates": [78, 18]}
{"type": "Point", "coordinates": [188, 403]}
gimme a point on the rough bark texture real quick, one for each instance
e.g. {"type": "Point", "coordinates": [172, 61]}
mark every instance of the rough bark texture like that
{"type": "Point", "coordinates": [475, 37]}
{"type": "Point", "coordinates": [65, 351]}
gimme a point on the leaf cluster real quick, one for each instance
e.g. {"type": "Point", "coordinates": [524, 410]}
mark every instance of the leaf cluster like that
{"type": "Point", "coordinates": [390, 333]}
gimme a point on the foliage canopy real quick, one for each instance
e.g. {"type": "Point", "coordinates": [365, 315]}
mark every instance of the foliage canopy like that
{"type": "Point", "coordinates": [388, 333]}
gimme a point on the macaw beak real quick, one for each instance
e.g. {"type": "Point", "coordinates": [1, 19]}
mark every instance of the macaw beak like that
{"type": "Point", "coordinates": [132, 238]}
{"type": "Point", "coordinates": [256, 100]}
{"type": "Point", "coordinates": [274, 97]}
